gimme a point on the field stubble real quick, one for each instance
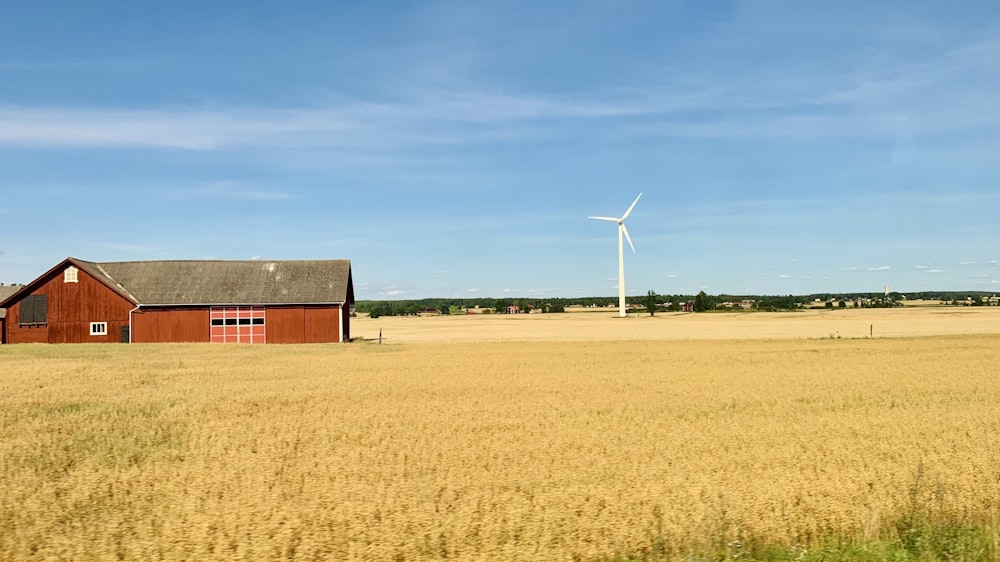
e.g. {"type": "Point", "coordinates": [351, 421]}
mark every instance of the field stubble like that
{"type": "Point", "coordinates": [489, 450]}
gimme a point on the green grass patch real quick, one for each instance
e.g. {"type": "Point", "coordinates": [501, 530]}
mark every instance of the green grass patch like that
{"type": "Point", "coordinates": [934, 543]}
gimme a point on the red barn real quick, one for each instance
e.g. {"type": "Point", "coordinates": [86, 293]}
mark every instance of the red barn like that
{"type": "Point", "coordinates": [254, 301]}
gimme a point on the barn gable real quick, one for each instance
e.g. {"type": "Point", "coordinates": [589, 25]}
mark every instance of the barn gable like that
{"type": "Point", "coordinates": [64, 305]}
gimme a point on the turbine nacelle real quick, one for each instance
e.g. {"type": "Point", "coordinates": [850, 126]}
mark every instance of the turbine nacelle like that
{"type": "Point", "coordinates": [621, 221]}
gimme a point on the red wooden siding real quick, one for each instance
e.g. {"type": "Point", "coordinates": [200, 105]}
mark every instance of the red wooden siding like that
{"type": "Point", "coordinates": [303, 324]}
{"type": "Point", "coordinates": [170, 325]}
{"type": "Point", "coordinates": [284, 324]}
{"type": "Point", "coordinates": [24, 334]}
{"type": "Point", "coordinates": [71, 309]}
{"type": "Point", "coordinates": [322, 325]}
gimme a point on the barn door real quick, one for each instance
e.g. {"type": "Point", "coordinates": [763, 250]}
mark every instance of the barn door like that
{"type": "Point", "coordinates": [237, 324]}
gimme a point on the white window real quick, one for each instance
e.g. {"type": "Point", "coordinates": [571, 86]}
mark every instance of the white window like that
{"type": "Point", "coordinates": [69, 276]}
{"type": "Point", "coordinates": [98, 328]}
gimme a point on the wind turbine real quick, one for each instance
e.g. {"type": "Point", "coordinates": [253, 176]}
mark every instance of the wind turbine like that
{"type": "Point", "coordinates": [621, 253]}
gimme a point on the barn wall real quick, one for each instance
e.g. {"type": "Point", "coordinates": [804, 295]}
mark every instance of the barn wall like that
{"type": "Point", "coordinates": [71, 309]}
{"type": "Point", "coordinates": [322, 325]}
{"type": "Point", "coordinates": [24, 334]}
{"type": "Point", "coordinates": [303, 324]}
{"type": "Point", "coordinates": [285, 324]}
{"type": "Point", "coordinates": [170, 325]}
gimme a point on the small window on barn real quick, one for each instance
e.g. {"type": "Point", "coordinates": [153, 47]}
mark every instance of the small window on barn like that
{"type": "Point", "coordinates": [33, 309]}
{"type": "Point", "coordinates": [258, 321]}
{"type": "Point", "coordinates": [98, 328]}
{"type": "Point", "coordinates": [217, 321]}
{"type": "Point", "coordinates": [70, 275]}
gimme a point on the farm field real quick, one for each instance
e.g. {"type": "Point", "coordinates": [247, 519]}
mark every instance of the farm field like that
{"type": "Point", "coordinates": [604, 324]}
{"type": "Point", "coordinates": [696, 441]}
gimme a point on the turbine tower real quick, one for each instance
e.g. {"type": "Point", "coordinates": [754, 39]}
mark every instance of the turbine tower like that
{"type": "Point", "coordinates": [621, 252]}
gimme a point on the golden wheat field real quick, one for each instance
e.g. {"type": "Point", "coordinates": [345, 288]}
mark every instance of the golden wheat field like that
{"type": "Point", "coordinates": [495, 450]}
{"type": "Point", "coordinates": [602, 325]}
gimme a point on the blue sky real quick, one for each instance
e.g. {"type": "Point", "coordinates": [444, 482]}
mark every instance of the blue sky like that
{"type": "Point", "coordinates": [455, 149]}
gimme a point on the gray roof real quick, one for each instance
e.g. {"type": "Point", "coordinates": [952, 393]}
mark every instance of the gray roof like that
{"type": "Point", "coordinates": [6, 291]}
{"type": "Point", "coordinates": [199, 282]}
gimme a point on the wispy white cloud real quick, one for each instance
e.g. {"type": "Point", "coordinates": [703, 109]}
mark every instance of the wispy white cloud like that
{"type": "Point", "coordinates": [381, 290]}
{"type": "Point", "coordinates": [442, 81]}
{"type": "Point", "coordinates": [186, 128]}
{"type": "Point", "coordinates": [421, 113]}
{"type": "Point", "coordinates": [867, 269]}
{"type": "Point", "coordinates": [980, 264]}
{"type": "Point", "coordinates": [540, 291]}
{"type": "Point", "coordinates": [427, 116]}
{"type": "Point", "coordinates": [230, 190]}
{"type": "Point", "coordinates": [433, 114]}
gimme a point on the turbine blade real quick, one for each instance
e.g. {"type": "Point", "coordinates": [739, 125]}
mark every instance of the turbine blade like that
{"type": "Point", "coordinates": [604, 218]}
{"type": "Point", "coordinates": [625, 231]}
{"type": "Point", "coordinates": [630, 207]}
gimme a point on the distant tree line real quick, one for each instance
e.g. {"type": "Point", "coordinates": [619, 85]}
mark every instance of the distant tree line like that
{"type": "Point", "coordinates": [652, 302]}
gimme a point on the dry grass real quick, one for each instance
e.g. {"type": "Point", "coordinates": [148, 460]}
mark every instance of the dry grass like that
{"type": "Point", "coordinates": [488, 450]}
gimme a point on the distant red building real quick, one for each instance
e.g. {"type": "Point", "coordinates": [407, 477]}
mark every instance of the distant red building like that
{"type": "Point", "coordinates": [254, 301]}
